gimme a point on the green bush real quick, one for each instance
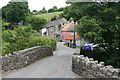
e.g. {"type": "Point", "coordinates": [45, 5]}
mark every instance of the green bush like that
{"type": "Point", "coordinates": [111, 58]}
{"type": "Point", "coordinates": [23, 37]}
{"type": "Point", "coordinates": [5, 47]}
{"type": "Point", "coordinates": [42, 41]}
{"type": "Point", "coordinates": [36, 22]}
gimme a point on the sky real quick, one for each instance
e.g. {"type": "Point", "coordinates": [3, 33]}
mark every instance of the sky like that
{"type": "Point", "coordinates": [39, 4]}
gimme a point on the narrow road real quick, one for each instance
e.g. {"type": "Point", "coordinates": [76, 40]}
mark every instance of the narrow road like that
{"type": "Point", "coordinates": [57, 66]}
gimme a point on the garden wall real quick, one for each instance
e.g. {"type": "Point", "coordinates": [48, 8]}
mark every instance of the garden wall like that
{"type": "Point", "coordinates": [25, 57]}
{"type": "Point", "coordinates": [90, 68]}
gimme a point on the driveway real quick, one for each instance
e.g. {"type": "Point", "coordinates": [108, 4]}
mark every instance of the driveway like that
{"type": "Point", "coordinates": [57, 66]}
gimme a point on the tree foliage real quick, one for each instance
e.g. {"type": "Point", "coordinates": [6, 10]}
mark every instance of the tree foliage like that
{"type": "Point", "coordinates": [23, 37]}
{"type": "Point", "coordinates": [34, 10]}
{"type": "Point", "coordinates": [43, 10]}
{"type": "Point", "coordinates": [54, 9]}
{"type": "Point", "coordinates": [36, 22]}
{"type": "Point", "coordinates": [60, 9]}
{"type": "Point", "coordinates": [89, 28]}
{"type": "Point", "coordinates": [100, 21]}
{"type": "Point", "coordinates": [15, 11]}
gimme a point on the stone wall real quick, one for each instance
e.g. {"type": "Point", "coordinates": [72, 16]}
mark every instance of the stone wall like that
{"type": "Point", "coordinates": [25, 57]}
{"type": "Point", "coordinates": [90, 68]}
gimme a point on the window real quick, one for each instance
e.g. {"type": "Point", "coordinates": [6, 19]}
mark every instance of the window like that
{"type": "Point", "coordinates": [72, 33]}
{"type": "Point", "coordinates": [51, 31]}
{"type": "Point", "coordinates": [59, 26]}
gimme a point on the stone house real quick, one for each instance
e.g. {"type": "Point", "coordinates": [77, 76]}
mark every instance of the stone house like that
{"type": "Point", "coordinates": [53, 28]}
{"type": "Point", "coordinates": [68, 33]}
{"type": "Point", "coordinates": [68, 29]}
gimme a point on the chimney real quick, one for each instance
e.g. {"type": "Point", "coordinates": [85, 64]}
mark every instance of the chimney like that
{"type": "Point", "coordinates": [58, 17]}
{"type": "Point", "coordinates": [71, 19]}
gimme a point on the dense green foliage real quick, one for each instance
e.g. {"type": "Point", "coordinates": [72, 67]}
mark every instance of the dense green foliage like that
{"type": "Point", "coordinates": [16, 37]}
{"type": "Point", "coordinates": [34, 10]}
{"type": "Point", "coordinates": [36, 22]}
{"type": "Point", "coordinates": [3, 10]}
{"type": "Point", "coordinates": [43, 10]}
{"type": "Point", "coordinates": [101, 55]}
{"type": "Point", "coordinates": [23, 37]}
{"type": "Point", "coordinates": [15, 11]}
{"type": "Point", "coordinates": [54, 9]}
{"type": "Point", "coordinates": [60, 9]}
{"type": "Point", "coordinates": [100, 21]}
{"type": "Point", "coordinates": [51, 10]}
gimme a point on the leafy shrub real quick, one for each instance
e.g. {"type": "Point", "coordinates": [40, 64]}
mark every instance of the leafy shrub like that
{"type": "Point", "coordinates": [5, 47]}
{"type": "Point", "coordinates": [42, 41]}
{"type": "Point", "coordinates": [111, 58]}
{"type": "Point", "coordinates": [36, 22]}
{"type": "Point", "coordinates": [23, 37]}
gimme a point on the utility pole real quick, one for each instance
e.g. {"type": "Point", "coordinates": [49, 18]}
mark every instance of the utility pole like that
{"type": "Point", "coordinates": [74, 43]}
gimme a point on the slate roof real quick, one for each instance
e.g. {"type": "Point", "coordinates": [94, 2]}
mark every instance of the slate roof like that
{"type": "Point", "coordinates": [68, 27]}
{"type": "Point", "coordinates": [55, 22]}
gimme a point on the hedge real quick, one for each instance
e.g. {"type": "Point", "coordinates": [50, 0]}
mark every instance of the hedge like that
{"type": "Point", "coordinates": [23, 37]}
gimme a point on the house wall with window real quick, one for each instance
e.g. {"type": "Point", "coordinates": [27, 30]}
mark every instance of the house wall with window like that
{"type": "Point", "coordinates": [53, 28]}
{"type": "Point", "coordinates": [66, 34]}
{"type": "Point", "coordinates": [50, 31]}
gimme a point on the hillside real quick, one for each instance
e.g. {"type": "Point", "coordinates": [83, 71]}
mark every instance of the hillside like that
{"type": "Point", "coordinates": [48, 16]}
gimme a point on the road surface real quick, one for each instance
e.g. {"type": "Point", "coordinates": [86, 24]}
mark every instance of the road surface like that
{"type": "Point", "coordinates": [57, 66]}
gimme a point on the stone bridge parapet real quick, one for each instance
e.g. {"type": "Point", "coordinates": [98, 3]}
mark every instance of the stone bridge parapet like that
{"type": "Point", "coordinates": [25, 57]}
{"type": "Point", "coordinates": [90, 68]}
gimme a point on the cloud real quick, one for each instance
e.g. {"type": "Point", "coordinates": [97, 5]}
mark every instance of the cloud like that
{"type": "Point", "coordinates": [39, 4]}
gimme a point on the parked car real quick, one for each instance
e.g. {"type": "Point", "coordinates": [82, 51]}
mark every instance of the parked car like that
{"type": "Point", "coordinates": [91, 46]}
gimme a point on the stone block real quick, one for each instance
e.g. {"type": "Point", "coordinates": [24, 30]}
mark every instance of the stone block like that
{"type": "Point", "coordinates": [22, 58]}
{"type": "Point", "coordinates": [88, 68]}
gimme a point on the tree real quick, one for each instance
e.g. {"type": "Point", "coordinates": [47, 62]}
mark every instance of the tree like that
{"type": "Point", "coordinates": [60, 9]}
{"type": "Point", "coordinates": [65, 11]}
{"type": "Point", "coordinates": [105, 13]}
{"type": "Point", "coordinates": [16, 11]}
{"type": "Point", "coordinates": [54, 9]}
{"type": "Point", "coordinates": [36, 22]}
{"type": "Point", "coordinates": [50, 10]}
{"type": "Point", "coordinates": [3, 12]}
{"type": "Point", "coordinates": [34, 10]}
{"type": "Point", "coordinates": [89, 28]}
{"type": "Point", "coordinates": [23, 37]}
{"type": "Point", "coordinates": [43, 10]}
{"type": "Point", "coordinates": [100, 21]}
